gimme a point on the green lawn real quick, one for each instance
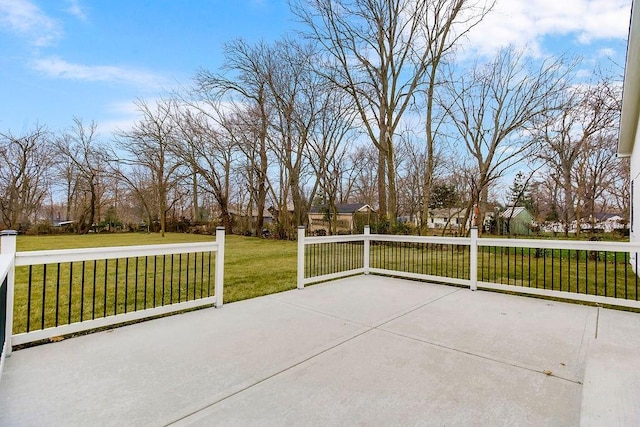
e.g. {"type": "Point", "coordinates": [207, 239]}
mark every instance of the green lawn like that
{"type": "Point", "coordinates": [253, 267]}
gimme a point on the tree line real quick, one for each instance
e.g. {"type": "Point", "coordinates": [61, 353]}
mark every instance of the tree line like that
{"type": "Point", "coordinates": [370, 104]}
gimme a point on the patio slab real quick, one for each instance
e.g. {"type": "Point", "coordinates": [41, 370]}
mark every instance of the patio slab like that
{"type": "Point", "coordinates": [157, 371]}
{"type": "Point", "coordinates": [383, 379]}
{"type": "Point", "coordinates": [537, 334]}
{"type": "Point", "coordinates": [367, 300]}
{"type": "Point", "coordinates": [612, 380]}
{"type": "Point", "coordinates": [363, 350]}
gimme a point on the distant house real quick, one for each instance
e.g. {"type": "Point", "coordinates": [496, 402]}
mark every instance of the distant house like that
{"type": "Point", "coordinates": [451, 218]}
{"type": "Point", "coordinates": [609, 222]}
{"type": "Point", "coordinates": [516, 220]}
{"type": "Point", "coordinates": [628, 143]}
{"type": "Point", "coordinates": [350, 217]}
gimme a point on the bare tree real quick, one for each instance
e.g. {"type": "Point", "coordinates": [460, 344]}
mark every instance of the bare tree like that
{"type": "Point", "coordinates": [297, 94]}
{"type": "Point", "coordinates": [595, 175]}
{"type": "Point", "coordinates": [209, 148]}
{"type": "Point", "coordinates": [363, 175]}
{"type": "Point", "coordinates": [83, 161]}
{"type": "Point", "coordinates": [448, 22]}
{"type": "Point", "coordinates": [566, 134]}
{"type": "Point", "coordinates": [150, 144]}
{"type": "Point", "coordinates": [328, 146]}
{"type": "Point", "coordinates": [25, 163]}
{"type": "Point", "coordinates": [618, 190]}
{"type": "Point", "coordinates": [493, 109]}
{"type": "Point", "coordinates": [380, 52]}
{"type": "Point", "coordinates": [249, 83]}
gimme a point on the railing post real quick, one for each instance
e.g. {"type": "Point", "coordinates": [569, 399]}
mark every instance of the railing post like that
{"type": "Point", "coordinates": [8, 247]}
{"type": "Point", "coordinates": [219, 277]}
{"type": "Point", "coordinates": [473, 259]}
{"type": "Point", "coordinates": [367, 240]}
{"type": "Point", "coordinates": [301, 231]}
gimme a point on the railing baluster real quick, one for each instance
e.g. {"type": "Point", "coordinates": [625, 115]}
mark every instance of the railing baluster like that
{"type": "Point", "coordinates": [171, 280]}
{"type": "Point", "coordinates": [93, 297]}
{"type": "Point", "coordinates": [126, 284]}
{"type": "Point", "coordinates": [106, 276]}
{"type": "Point", "coordinates": [135, 287]}
{"type": "Point", "coordinates": [560, 251]}
{"type": "Point", "coordinates": [155, 277]}
{"type": "Point", "coordinates": [29, 299]}
{"type": "Point", "coordinates": [115, 293]}
{"type": "Point", "coordinates": [195, 272]}
{"type": "Point", "coordinates": [544, 269]}
{"type": "Point", "coordinates": [146, 270]}
{"type": "Point", "coordinates": [586, 291]}
{"type": "Point", "coordinates": [636, 275]}
{"type": "Point", "coordinates": [180, 278]}
{"type": "Point", "coordinates": [57, 293]}
{"type": "Point", "coordinates": [208, 274]}
{"type": "Point", "coordinates": [568, 275]}
{"type": "Point", "coordinates": [201, 275]}
{"type": "Point", "coordinates": [529, 265]}
{"type": "Point", "coordinates": [186, 294]}
{"type": "Point", "coordinates": [44, 292]}
{"type": "Point", "coordinates": [553, 269]}
{"type": "Point", "coordinates": [586, 273]}
{"type": "Point", "coordinates": [70, 292]}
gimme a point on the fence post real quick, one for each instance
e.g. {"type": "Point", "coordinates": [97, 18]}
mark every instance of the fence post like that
{"type": "Point", "coordinates": [8, 247]}
{"type": "Point", "coordinates": [473, 259]}
{"type": "Point", "coordinates": [301, 231]}
{"type": "Point", "coordinates": [219, 277]}
{"type": "Point", "coordinates": [367, 234]}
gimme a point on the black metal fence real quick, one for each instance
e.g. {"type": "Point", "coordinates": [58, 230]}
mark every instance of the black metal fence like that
{"type": "Point", "coordinates": [447, 261]}
{"type": "Point", "coordinates": [322, 259]}
{"type": "Point", "coordinates": [50, 295]}
{"type": "Point", "coordinates": [583, 271]}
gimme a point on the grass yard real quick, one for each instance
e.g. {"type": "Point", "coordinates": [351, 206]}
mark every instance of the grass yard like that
{"type": "Point", "coordinates": [253, 267]}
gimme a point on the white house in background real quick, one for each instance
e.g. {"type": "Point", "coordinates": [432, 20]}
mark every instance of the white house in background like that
{"type": "Point", "coordinates": [446, 218]}
{"type": "Point", "coordinates": [629, 140]}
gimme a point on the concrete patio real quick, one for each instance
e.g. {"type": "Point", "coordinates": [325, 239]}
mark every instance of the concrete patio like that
{"type": "Point", "coordinates": [365, 350]}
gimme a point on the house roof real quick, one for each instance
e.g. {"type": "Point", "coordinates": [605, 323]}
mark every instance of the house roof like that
{"type": "Point", "coordinates": [447, 213]}
{"type": "Point", "coordinates": [512, 212]}
{"type": "Point", "coordinates": [631, 88]}
{"type": "Point", "coordinates": [343, 208]}
{"type": "Point", "coordinates": [608, 216]}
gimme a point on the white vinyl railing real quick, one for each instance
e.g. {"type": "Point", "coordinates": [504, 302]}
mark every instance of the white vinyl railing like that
{"type": "Point", "coordinates": [60, 292]}
{"type": "Point", "coordinates": [6, 270]}
{"type": "Point", "coordinates": [596, 272]}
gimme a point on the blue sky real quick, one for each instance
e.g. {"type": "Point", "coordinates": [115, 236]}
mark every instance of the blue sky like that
{"type": "Point", "coordinates": [92, 58]}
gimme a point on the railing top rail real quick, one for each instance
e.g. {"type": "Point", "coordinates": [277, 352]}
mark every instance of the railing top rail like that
{"type": "Point", "coordinates": [6, 262]}
{"type": "Point", "coordinates": [100, 253]}
{"type": "Point", "coordinates": [388, 238]}
{"type": "Point", "coordinates": [562, 244]}
{"type": "Point", "coordinates": [513, 243]}
{"type": "Point", "coordinates": [421, 239]}
{"type": "Point", "coordinates": [335, 239]}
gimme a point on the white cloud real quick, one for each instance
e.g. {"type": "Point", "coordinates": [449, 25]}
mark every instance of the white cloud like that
{"type": "Point", "coordinates": [606, 52]}
{"type": "Point", "coordinates": [75, 10]}
{"type": "Point", "coordinates": [27, 20]}
{"type": "Point", "coordinates": [55, 67]}
{"type": "Point", "coordinates": [527, 22]}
